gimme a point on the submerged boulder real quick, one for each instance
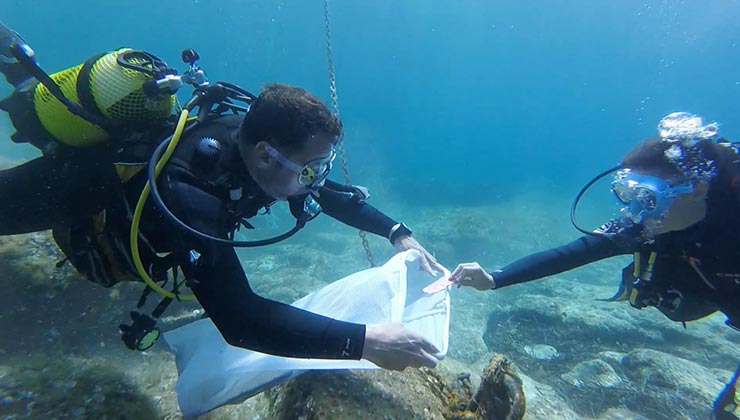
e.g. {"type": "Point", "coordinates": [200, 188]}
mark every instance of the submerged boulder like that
{"type": "Point", "coordinates": [541, 351]}
{"type": "Point", "coordinates": [444, 393]}
{"type": "Point", "coordinates": [595, 374]}
{"type": "Point", "coordinates": [673, 384]}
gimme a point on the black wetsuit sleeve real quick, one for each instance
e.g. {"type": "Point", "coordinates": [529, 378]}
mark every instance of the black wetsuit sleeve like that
{"type": "Point", "coordinates": [582, 251]}
{"type": "Point", "coordinates": [244, 318]}
{"type": "Point", "coordinates": [356, 213]}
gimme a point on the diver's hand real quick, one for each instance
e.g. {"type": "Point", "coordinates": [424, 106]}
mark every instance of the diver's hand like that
{"type": "Point", "coordinates": [394, 347]}
{"type": "Point", "coordinates": [428, 262]}
{"type": "Point", "coordinates": [473, 275]}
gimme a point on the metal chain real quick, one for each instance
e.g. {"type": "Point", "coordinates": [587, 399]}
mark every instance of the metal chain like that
{"type": "Point", "coordinates": [335, 110]}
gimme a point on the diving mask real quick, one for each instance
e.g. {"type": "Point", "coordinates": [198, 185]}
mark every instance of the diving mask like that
{"type": "Point", "coordinates": [311, 175]}
{"type": "Point", "coordinates": [646, 196]}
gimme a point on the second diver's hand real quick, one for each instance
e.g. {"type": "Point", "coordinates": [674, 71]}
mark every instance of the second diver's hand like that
{"type": "Point", "coordinates": [473, 275]}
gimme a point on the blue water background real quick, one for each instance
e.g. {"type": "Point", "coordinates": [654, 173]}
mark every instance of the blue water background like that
{"type": "Point", "coordinates": [443, 102]}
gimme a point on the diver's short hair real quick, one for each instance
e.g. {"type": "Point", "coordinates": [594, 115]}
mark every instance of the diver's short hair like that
{"type": "Point", "coordinates": [288, 117]}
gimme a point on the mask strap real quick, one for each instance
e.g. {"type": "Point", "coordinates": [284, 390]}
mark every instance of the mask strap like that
{"type": "Point", "coordinates": [283, 160]}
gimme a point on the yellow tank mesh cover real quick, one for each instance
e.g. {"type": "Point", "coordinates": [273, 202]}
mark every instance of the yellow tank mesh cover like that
{"type": "Point", "coordinates": [118, 94]}
{"type": "Point", "coordinates": [57, 120]}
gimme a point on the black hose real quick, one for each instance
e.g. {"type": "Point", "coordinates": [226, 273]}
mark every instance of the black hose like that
{"type": "Point", "coordinates": [578, 198]}
{"type": "Point", "coordinates": [154, 191]}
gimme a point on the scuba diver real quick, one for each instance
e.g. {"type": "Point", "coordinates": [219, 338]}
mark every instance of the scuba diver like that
{"type": "Point", "coordinates": [679, 197]}
{"type": "Point", "coordinates": [133, 188]}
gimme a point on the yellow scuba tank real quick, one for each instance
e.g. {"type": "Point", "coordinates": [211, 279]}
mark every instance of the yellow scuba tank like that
{"type": "Point", "coordinates": [115, 87]}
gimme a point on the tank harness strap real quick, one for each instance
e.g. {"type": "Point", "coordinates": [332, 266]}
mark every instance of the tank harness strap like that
{"type": "Point", "coordinates": [643, 277]}
{"type": "Point", "coordinates": [637, 269]}
{"type": "Point", "coordinates": [84, 90]}
{"type": "Point", "coordinates": [649, 268]}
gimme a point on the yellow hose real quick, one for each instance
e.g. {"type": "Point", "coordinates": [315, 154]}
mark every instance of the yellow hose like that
{"type": "Point", "coordinates": [134, 238]}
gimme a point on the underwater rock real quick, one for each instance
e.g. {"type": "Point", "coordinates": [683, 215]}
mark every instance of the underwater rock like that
{"type": "Point", "coordinates": [587, 328]}
{"type": "Point", "coordinates": [593, 373]}
{"type": "Point", "coordinates": [32, 258]}
{"type": "Point", "coordinates": [443, 393]}
{"type": "Point", "coordinates": [652, 383]}
{"type": "Point", "coordinates": [600, 369]}
{"type": "Point", "coordinates": [620, 413]}
{"type": "Point", "coordinates": [500, 395]}
{"type": "Point", "coordinates": [676, 384]}
{"type": "Point", "coordinates": [544, 402]}
{"type": "Point", "coordinates": [71, 388]}
{"type": "Point", "coordinates": [612, 356]}
{"type": "Point", "coordinates": [594, 325]}
{"type": "Point", "coordinates": [361, 395]}
{"type": "Point", "coordinates": [541, 351]}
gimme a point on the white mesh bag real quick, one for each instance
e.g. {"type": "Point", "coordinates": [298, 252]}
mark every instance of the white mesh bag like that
{"type": "Point", "coordinates": [213, 373]}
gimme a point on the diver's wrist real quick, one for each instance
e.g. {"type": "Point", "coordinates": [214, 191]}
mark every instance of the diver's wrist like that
{"type": "Point", "coordinates": [398, 230]}
{"type": "Point", "coordinates": [492, 279]}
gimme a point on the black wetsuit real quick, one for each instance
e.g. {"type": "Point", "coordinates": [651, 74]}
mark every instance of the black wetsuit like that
{"type": "Point", "coordinates": [696, 271]}
{"type": "Point", "coordinates": [211, 195]}
{"type": "Point", "coordinates": [701, 264]}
